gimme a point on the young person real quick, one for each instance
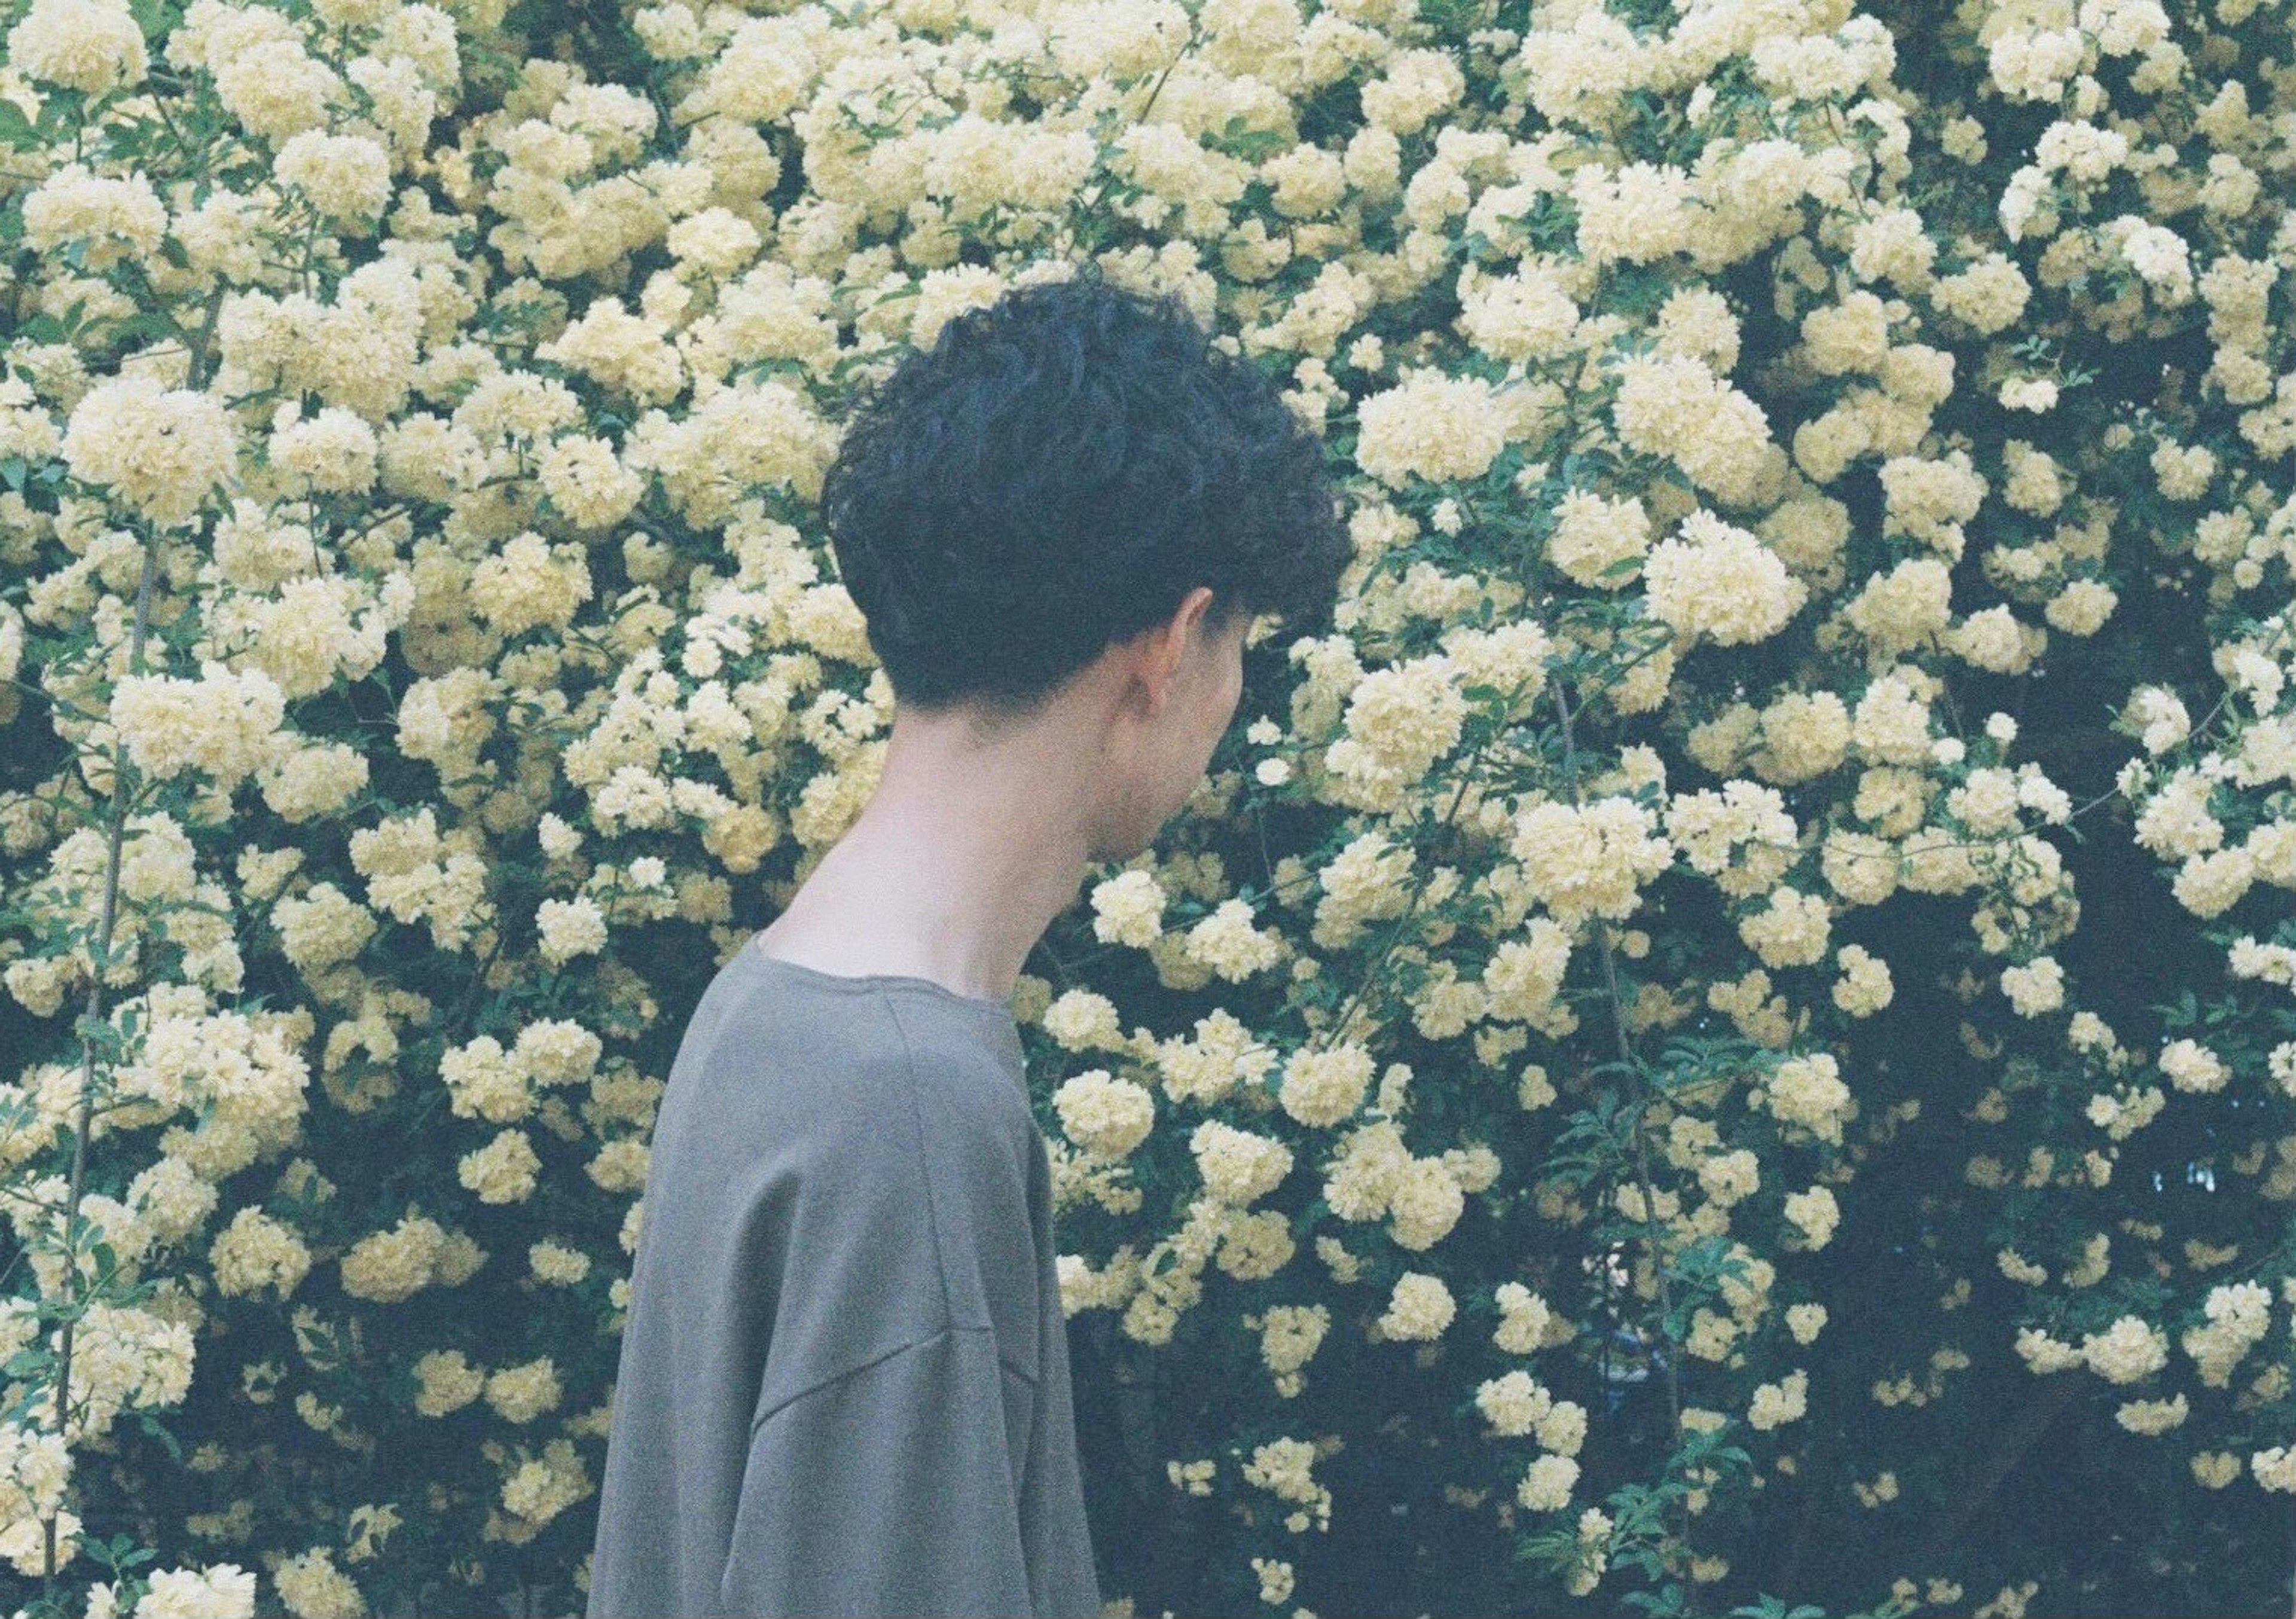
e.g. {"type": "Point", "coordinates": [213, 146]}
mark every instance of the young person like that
{"type": "Point", "coordinates": [843, 1386]}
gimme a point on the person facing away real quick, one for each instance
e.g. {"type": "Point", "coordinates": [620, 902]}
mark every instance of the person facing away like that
{"type": "Point", "coordinates": [843, 1383]}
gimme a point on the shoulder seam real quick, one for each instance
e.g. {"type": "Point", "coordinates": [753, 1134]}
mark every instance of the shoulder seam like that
{"type": "Point", "coordinates": [924, 1159]}
{"type": "Point", "coordinates": [932, 1209]}
{"type": "Point", "coordinates": [761, 1418]}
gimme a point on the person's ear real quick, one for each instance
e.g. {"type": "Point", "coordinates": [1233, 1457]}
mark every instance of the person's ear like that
{"type": "Point", "coordinates": [1168, 643]}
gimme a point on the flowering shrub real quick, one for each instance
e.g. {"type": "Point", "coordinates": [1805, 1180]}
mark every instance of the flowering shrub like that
{"type": "Point", "coordinates": [1725, 1041]}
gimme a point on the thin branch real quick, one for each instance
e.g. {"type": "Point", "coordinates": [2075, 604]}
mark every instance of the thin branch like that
{"type": "Point", "coordinates": [100, 965]}
{"type": "Point", "coordinates": [101, 961]}
{"type": "Point", "coordinates": [1640, 1143]}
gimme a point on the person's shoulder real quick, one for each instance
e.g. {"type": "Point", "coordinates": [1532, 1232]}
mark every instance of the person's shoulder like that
{"type": "Point", "coordinates": [863, 1073]}
{"type": "Point", "coordinates": [964, 1072]}
{"type": "Point", "coordinates": [765, 1061]}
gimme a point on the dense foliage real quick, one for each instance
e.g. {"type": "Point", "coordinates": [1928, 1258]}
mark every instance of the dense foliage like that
{"type": "Point", "coordinates": [1724, 1040]}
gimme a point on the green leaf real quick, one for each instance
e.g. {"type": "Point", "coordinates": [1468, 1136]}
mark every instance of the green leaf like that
{"type": "Point", "coordinates": [151, 1426]}
{"type": "Point", "coordinates": [16, 130]}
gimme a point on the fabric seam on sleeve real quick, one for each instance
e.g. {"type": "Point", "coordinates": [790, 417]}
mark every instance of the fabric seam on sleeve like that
{"type": "Point", "coordinates": [924, 1158]}
{"type": "Point", "coordinates": [932, 1206]}
{"type": "Point", "coordinates": [852, 1371]}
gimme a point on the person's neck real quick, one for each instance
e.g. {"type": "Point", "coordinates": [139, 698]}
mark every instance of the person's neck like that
{"type": "Point", "coordinates": [951, 872]}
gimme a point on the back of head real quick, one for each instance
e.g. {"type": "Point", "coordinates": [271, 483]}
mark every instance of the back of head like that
{"type": "Point", "coordinates": [1052, 476]}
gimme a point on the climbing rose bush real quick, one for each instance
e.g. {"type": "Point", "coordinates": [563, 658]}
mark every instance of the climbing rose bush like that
{"type": "Point", "coordinates": [1723, 1042]}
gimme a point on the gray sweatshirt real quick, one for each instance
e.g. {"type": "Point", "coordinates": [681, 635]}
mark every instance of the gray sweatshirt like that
{"type": "Point", "coordinates": [843, 1386]}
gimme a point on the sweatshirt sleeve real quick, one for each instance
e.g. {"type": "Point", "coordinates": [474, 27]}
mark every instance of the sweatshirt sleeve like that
{"type": "Point", "coordinates": [889, 1491]}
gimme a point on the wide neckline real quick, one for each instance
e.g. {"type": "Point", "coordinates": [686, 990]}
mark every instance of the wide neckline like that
{"type": "Point", "coordinates": [852, 982]}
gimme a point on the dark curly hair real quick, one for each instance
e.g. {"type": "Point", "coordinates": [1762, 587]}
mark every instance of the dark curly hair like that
{"type": "Point", "coordinates": [1052, 476]}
